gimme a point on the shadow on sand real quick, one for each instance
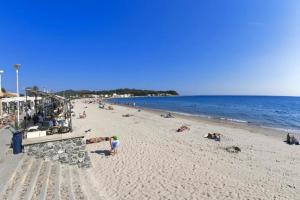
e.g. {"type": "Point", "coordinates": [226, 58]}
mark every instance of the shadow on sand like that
{"type": "Point", "coordinates": [102, 152]}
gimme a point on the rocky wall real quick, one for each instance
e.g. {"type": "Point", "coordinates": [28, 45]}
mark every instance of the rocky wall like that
{"type": "Point", "coordinates": [69, 151]}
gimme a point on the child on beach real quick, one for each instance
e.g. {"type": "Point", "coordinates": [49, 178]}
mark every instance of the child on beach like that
{"type": "Point", "coordinates": [114, 144]}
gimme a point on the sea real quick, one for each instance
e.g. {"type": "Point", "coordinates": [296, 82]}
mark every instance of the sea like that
{"type": "Point", "coordinates": [275, 112]}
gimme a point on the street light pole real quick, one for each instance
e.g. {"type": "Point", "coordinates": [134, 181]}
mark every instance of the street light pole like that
{"type": "Point", "coordinates": [1, 72]}
{"type": "Point", "coordinates": [1, 109]}
{"type": "Point", "coordinates": [17, 67]}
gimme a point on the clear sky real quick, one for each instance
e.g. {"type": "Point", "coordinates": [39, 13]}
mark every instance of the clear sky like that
{"type": "Point", "coordinates": [194, 47]}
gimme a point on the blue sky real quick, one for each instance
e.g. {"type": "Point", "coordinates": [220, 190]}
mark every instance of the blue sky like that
{"type": "Point", "coordinates": [195, 47]}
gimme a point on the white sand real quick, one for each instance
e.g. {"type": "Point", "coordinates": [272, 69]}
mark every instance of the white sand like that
{"type": "Point", "coordinates": [156, 162]}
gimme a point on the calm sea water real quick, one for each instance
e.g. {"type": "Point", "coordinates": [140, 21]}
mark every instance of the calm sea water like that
{"type": "Point", "coordinates": [273, 112]}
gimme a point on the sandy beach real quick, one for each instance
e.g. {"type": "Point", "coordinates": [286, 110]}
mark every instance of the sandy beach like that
{"type": "Point", "coordinates": [156, 162]}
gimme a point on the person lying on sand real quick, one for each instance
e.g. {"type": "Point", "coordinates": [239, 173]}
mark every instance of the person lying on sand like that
{"type": "Point", "coordinates": [127, 115]}
{"type": "Point", "coordinates": [214, 136]}
{"type": "Point", "coordinates": [183, 128]}
{"type": "Point", "coordinates": [169, 115]}
{"type": "Point", "coordinates": [114, 144]}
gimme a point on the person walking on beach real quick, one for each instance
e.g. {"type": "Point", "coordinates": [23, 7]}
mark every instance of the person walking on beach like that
{"type": "Point", "coordinates": [114, 144]}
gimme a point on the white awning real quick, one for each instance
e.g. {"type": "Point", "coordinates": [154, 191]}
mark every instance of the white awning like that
{"type": "Point", "coordinates": [22, 99]}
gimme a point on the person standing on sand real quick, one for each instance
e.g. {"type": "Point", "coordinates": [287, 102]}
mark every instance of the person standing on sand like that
{"type": "Point", "coordinates": [114, 144]}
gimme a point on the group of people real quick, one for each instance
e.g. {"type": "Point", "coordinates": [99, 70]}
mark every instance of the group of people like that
{"type": "Point", "coordinates": [40, 117]}
{"type": "Point", "coordinates": [290, 139]}
{"type": "Point", "coordinates": [36, 118]}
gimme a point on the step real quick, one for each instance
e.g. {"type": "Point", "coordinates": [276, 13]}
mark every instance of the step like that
{"type": "Point", "coordinates": [42, 176]}
{"type": "Point", "coordinates": [17, 191]}
{"type": "Point", "coordinates": [40, 189]}
{"type": "Point", "coordinates": [65, 184]}
{"type": "Point", "coordinates": [31, 179]}
{"type": "Point", "coordinates": [46, 182]}
{"type": "Point", "coordinates": [8, 168]}
{"type": "Point", "coordinates": [53, 190]}
{"type": "Point", "coordinates": [76, 184]}
{"type": "Point", "coordinates": [14, 177]}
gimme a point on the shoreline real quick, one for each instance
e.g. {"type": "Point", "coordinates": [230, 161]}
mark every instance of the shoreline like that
{"type": "Point", "coordinates": [268, 131]}
{"type": "Point", "coordinates": [275, 119]}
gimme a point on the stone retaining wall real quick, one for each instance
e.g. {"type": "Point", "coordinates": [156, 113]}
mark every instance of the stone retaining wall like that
{"type": "Point", "coordinates": [69, 151]}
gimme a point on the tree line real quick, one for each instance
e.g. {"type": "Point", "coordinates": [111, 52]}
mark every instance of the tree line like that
{"type": "Point", "coordinates": [133, 92]}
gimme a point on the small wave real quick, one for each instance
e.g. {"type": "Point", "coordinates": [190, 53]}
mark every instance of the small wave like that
{"type": "Point", "coordinates": [234, 120]}
{"type": "Point", "coordinates": [209, 117]}
{"type": "Point", "coordinates": [293, 131]}
{"type": "Point", "coordinates": [189, 114]}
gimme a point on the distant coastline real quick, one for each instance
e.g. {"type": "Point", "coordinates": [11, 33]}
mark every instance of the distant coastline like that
{"type": "Point", "coordinates": [116, 93]}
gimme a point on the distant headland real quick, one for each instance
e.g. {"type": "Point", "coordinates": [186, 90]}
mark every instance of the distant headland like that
{"type": "Point", "coordinates": [125, 92]}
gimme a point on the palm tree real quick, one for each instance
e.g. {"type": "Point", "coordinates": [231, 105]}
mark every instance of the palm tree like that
{"type": "Point", "coordinates": [35, 88]}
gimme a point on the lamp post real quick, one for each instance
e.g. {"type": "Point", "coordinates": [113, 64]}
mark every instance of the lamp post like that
{"type": "Point", "coordinates": [1, 109]}
{"type": "Point", "coordinates": [1, 72]}
{"type": "Point", "coordinates": [17, 67]}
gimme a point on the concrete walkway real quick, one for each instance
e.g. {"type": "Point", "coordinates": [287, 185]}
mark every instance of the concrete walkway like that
{"type": "Point", "coordinates": [8, 161]}
{"type": "Point", "coordinates": [27, 178]}
{"type": "Point", "coordinates": [5, 138]}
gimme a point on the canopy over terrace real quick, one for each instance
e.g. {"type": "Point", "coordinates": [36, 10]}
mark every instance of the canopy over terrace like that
{"type": "Point", "coordinates": [7, 94]}
{"type": "Point", "coordinates": [48, 98]}
{"type": "Point", "coordinates": [50, 102]}
{"type": "Point", "coordinates": [34, 92]}
{"type": "Point", "coordinates": [7, 104]}
{"type": "Point", "coordinates": [3, 99]}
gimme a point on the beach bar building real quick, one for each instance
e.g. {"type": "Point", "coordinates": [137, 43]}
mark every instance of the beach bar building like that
{"type": "Point", "coordinates": [51, 107]}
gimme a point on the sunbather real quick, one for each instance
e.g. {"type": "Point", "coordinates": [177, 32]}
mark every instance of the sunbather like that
{"type": "Point", "coordinates": [214, 136]}
{"type": "Point", "coordinates": [183, 128]}
{"type": "Point", "coordinates": [83, 115]}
